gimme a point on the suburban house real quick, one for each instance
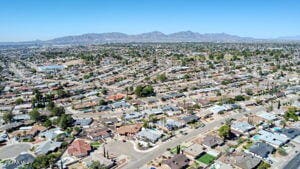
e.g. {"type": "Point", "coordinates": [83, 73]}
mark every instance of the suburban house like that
{"type": "Point", "coordinates": [179, 161]}
{"type": "Point", "coordinates": [273, 139]}
{"type": "Point", "coordinates": [211, 141]}
{"type": "Point", "coordinates": [152, 112]}
{"type": "Point", "coordinates": [97, 134]}
{"type": "Point", "coordinates": [190, 119]}
{"type": "Point", "coordinates": [85, 105]}
{"type": "Point", "coordinates": [28, 132]}
{"type": "Point", "coordinates": [10, 126]}
{"type": "Point", "coordinates": [21, 117]}
{"type": "Point", "coordinates": [3, 137]}
{"type": "Point", "coordinates": [111, 122]}
{"type": "Point", "coordinates": [289, 132]}
{"type": "Point", "coordinates": [133, 115]}
{"type": "Point", "coordinates": [83, 122]}
{"type": "Point", "coordinates": [261, 149]}
{"type": "Point", "coordinates": [246, 161]}
{"type": "Point", "coordinates": [116, 97]}
{"type": "Point", "coordinates": [194, 150]}
{"type": "Point", "coordinates": [79, 148]}
{"type": "Point", "coordinates": [266, 116]}
{"type": "Point", "coordinates": [51, 134]}
{"type": "Point", "coordinates": [204, 102]}
{"type": "Point", "coordinates": [129, 130]}
{"type": "Point", "coordinates": [170, 108]}
{"type": "Point", "coordinates": [120, 104]}
{"type": "Point", "coordinates": [47, 147]}
{"type": "Point", "coordinates": [149, 135]}
{"type": "Point", "coordinates": [241, 128]}
{"type": "Point", "coordinates": [171, 124]}
{"type": "Point", "coordinates": [216, 109]}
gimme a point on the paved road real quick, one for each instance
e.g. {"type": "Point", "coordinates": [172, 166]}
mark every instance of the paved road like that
{"type": "Point", "coordinates": [147, 157]}
{"type": "Point", "coordinates": [17, 71]}
{"type": "Point", "coordinates": [13, 150]}
{"type": "Point", "coordinates": [294, 163]}
{"type": "Point", "coordinates": [126, 148]}
{"type": "Point", "coordinates": [285, 160]}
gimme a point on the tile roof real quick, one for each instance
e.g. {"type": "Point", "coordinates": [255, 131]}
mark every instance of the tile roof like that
{"type": "Point", "coordinates": [79, 148]}
{"type": "Point", "coordinates": [129, 129]}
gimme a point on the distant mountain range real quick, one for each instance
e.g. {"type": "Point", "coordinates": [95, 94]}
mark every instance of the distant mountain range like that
{"type": "Point", "coordinates": [293, 38]}
{"type": "Point", "coordinates": [184, 36]}
{"type": "Point", "coordinates": [116, 37]}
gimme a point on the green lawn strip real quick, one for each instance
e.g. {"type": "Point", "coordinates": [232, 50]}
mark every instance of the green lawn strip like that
{"type": "Point", "coordinates": [206, 159]}
{"type": "Point", "coordinates": [95, 144]}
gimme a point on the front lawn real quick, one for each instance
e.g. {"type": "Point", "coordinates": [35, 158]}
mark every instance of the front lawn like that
{"type": "Point", "coordinates": [206, 159]}
{"type": "Point", "coordinates": [95, 144]}
{"type": "Point", "coordinates": [248, 144]}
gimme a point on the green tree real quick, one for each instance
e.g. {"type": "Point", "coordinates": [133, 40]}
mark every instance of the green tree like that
{"type": "Point", "coordinates": [97, 165]}
{"type": "Point", "coordinates": [50, 105]}
{"type": "Point", "coordinates": [41, 161]}
{"type": "Point", "coordinates": [263, 165]}
{"type": "Point", "coordinates": [33, 70]}
{"type": "Point", "coordinates": [49, 97]}
{"type": "Point", "coordinates": [147, 91]}
{"type": "Point", "coordinates": [249, 92]}
{"type": "Point", "coordinates": [38, 100]}
{"type": "Point", "coordinates": [102, 102]}
{"type": "Point", "coordinates": [291, 114]}
{"type": "Point", "coordinates": [35, 115]}
{"type": "Point", "coordinates": [65, 121]}
{"type": "Point", "coordinates": [58, 111]}
{"type": "Point", "coordinates": [162, 77]}
{"type": "Point", "coordinates": [178, 149]}
{"type": "Point", "coordinates": [283, 123]}
{"type": "Point", "coordinates": [224, 131]}
{"type": "Point", "coordinates": [281, 151]}
{"type": "Point", "coordinates": [138, 91]}
{"type": "Point", "coordinates": [45, 161]}
{"type": "Point", "coordinates": [62, 93]}
{"type": "Point", "coordinates": [7, 117]}
{"type": "Point", "coordinates": [104, 91]}
{"type": "Point", "coordinates": [47, 123]}
{"type": "Point", "coordinates": [239, 98]}
{"type": "Point", "coordinates": [19, 101]}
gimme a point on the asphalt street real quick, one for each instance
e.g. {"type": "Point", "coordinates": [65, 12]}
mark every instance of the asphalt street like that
{"type": "Point", "coordinates": [147, 157]}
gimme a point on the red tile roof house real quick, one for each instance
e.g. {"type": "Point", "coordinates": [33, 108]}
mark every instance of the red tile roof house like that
{"type": "Point", "coordinates": [129, 130]}
{"type": "Point", "coordinates": [79, 148]}
{"type": "Point", "coordinates": [116, 97]}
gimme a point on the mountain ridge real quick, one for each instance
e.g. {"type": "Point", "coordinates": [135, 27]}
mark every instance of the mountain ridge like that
{"type": "Point", "coordinates": [154, 36]}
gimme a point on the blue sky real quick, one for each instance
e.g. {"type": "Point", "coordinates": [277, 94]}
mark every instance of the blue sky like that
{"type": "Point", "coordinates": [22, 20]}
